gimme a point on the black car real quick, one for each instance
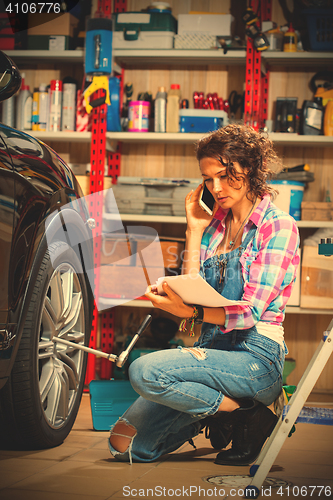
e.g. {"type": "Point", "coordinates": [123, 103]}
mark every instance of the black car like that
{"type": "Point", "coordinates": [46, 253]}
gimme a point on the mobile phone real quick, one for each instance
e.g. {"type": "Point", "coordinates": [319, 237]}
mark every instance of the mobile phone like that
{"type": "Point", "coordinates": [206, 200]}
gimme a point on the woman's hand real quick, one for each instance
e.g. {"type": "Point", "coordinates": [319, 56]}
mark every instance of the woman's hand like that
{"type": "Point", "coordinates": [197, 218]}
{"type": "Point", "coordinates": [170, 302]}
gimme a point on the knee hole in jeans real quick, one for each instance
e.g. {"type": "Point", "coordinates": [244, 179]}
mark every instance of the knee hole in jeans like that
{"type": "Point", "coordinates": [122, 436]}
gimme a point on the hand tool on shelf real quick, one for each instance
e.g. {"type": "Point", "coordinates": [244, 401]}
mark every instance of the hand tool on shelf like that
{"type": "Point", "coordinates": [119, 360]}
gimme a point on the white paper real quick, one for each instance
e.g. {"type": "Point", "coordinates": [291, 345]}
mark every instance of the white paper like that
{"type": "Point", "coordinates": [193, 289]}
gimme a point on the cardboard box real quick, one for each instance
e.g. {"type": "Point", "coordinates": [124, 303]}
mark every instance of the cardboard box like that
{"type": "Point", "coordinates": [317, 279]}
{"type": "Point", "coordinates": [52, 24]}
{"type": "Point", "coordinates": [51, 42]}
{"type": "Point", "coordinates": [315, 210]}
{"type": "Point", "coordinates": [117, 250]}
{"type": "Point", "coordinates": [84, 181]}
{"type": "Point", "coordinates": [128, 282]}
{"type": "Point", "coordinates": [210, 24]}
{"type": "Point", "coordinates": [295, 297]}
{"type": "Point", "coordinates": [171, 251]}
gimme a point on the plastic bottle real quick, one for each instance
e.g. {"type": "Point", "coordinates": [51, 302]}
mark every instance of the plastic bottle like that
{"type": "Point", "coordinates": [43, 107]}
{"type": "Point", "coordinates": [173, 103]}
{"type": "Point", "coordinates": [8, 112]}
{"type": "Point", "coordinates": [24, 107]}
{"type": "Point", "coordinates": [35, 109]}
{"type": "Point", "coordinates": [55, 105]}
{"type": "Point", "coordinates": [290, 40]}
{"type": "Point", "coordinates": [160, 110]}
{"type": "Point", "coordinates": [68, 107]}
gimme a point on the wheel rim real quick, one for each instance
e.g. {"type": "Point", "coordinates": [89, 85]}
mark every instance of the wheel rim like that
{"type": "Point", "coordinates": [59, 366]}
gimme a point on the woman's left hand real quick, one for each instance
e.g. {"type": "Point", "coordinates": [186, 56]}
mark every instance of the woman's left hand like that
{"type": "Point", "coordinates": [170, 302]}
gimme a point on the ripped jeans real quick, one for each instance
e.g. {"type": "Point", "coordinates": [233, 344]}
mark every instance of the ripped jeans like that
{"type": "Point", "coordinates": [179, 387]}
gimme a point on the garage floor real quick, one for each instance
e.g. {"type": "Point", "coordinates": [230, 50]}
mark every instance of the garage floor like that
{"type": "Point", "coordinates": [83, 469]}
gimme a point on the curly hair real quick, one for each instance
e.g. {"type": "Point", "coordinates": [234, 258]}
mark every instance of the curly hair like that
{"type": "Point", "coordinates": [252, 150]}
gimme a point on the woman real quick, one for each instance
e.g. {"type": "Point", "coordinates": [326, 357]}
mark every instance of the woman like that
{"type": "Point", "coordinates": [227, 380]}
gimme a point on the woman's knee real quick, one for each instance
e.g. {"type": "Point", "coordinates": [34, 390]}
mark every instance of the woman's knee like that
{"type": "Point", "coordinates": [122, 435]}
{"type": "Point", "coordinates": [142, 372]}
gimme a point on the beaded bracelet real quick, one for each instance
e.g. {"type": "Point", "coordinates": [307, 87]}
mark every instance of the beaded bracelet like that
{"type": "Point", "coordinates": [183, 323]}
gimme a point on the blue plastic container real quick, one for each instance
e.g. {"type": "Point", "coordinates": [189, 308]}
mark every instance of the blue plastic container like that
{"type": "Point", "coordinates": [98, 58]}
{"type": "Point", "coordinates": [109, 399]}
{"type": "Point", "coordinates": [320, 28]}
{"type": "Point", "coordinates": [113, 111]}
{"type": "Point", "coordinates": [201, 120]}
{"type": "Point", "coordinates": [290, 197]}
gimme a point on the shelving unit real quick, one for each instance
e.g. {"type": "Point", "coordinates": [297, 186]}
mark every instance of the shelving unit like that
{"type": "Point", "coordinates": [141, 147]}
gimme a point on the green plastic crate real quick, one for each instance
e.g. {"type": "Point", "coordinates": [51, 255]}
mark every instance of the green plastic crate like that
{"type": "Point", "coordinates": [109, 399]}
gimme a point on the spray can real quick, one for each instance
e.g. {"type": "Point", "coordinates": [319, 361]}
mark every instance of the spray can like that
{"type": "Point", "coordinates": [68, 107]}
{"type": "Point", "coordinates": [290, 40]}
{"type": "Point", "coordinates": [24, 107]}
{"type": "Point", "coordinates": [55, 105]}
{"type": "Point", "coordinates": [35, 109]}
{"type": "Point", "coordinates": [160, 110]}
{"type": "Point", "coordinates": [43, 102]}
{"type": "Point", "coordinates": [173, 104]}
{"type": "Point", "coordinates": [8, 112]}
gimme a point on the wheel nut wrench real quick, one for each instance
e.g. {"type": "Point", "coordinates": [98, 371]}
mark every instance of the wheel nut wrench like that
{"type": "Point", "coordinates": [119, 360]}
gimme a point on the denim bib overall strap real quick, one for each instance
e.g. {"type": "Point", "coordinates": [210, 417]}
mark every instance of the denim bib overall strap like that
{"type": "Point", "coordinates": [224, 273]}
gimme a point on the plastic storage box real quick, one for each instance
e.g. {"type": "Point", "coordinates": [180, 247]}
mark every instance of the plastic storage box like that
{"type": "Point", "coordinates": [137, 195]}
{"type": "Point", "coordinates": [201, 120]}
{"type": "Point", "coordinates": [320, 28]}
{"type": "Point", "coordinates": [109, 399]}
{"type": "Point", "coordinates": [209, 24]}
{"type": "Point", "coordinates": [143, 30]}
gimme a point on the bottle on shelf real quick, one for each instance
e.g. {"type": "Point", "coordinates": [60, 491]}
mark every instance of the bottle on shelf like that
{"type": "Point", "coordinates": [290, 40]}
{"type": "Point", "coordinates": [173, 104]}
{"type": "Point", "coordinates": [68, 107]}
{"type": "Point", "coordinates": [55, 105]}
{"type": "Point", "coordinates": [8, 112]}
{"type": "Point", "coordinates": [43, 111]}
{"type": "Point", "coordinates": [160, 110]}
{"type": "Point", "coordinates": [24, 107]}
{"type": "Point", "coordinates": [35, 109]}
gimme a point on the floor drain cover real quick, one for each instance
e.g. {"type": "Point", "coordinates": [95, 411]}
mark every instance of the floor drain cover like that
{"type": "Point", "coordinates": [243, 481]}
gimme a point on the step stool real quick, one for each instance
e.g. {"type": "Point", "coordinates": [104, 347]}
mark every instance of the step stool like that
{"type": "Point", "coordinates": [293, 412]}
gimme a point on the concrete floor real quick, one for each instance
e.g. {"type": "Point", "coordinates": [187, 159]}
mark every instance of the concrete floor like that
{"type": "Point", "coordinates": [83, 469]}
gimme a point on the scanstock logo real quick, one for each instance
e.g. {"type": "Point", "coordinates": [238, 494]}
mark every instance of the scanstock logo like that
{"type": "Point", "coordinates": [130, 258]}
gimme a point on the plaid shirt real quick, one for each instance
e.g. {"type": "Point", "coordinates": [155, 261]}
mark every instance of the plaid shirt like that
{"type": "Point", "coordinates": [269, 264]}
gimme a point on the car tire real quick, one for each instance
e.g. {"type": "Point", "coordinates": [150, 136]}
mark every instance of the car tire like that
{"type": "Point", "coordinates": [42, 396]}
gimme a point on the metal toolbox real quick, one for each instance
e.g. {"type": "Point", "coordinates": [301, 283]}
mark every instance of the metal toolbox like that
{"type": "Point", "coordinates": [143, 30]}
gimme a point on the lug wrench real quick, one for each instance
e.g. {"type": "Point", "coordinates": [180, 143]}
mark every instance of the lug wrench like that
{"type": "Point", "coordinates": [119, 360]}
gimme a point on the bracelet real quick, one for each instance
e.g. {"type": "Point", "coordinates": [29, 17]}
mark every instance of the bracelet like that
{"type": "Point", "coordinates": [192, 320]}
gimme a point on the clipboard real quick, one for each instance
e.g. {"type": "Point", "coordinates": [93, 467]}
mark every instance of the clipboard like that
{"type": "Point", "coordinates": [193, 289]}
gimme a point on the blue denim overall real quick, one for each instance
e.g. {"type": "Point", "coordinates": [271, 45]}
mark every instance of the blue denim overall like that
{"type": "Point", "coordinates": [179, 387]}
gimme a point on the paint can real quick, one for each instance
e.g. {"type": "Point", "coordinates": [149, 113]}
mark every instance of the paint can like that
{"type": "Point", "coordinates": [138, 115]}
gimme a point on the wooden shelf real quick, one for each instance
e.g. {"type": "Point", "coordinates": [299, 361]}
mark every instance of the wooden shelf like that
{"type": "Point", "coordinates": [300, 310]}
{"type": "Point", "coordinates": [177, 138]}
{"type": "Point", "coordinates": [148, 57]}
{"type": "Point", "coordinates": [182, 220]}
{"type": "Point", "coordinates": [130, 57]}
{"type": "Point", "coordinates": [108, 303]}
{"type": "Point", "coordinates": [49, 56]}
